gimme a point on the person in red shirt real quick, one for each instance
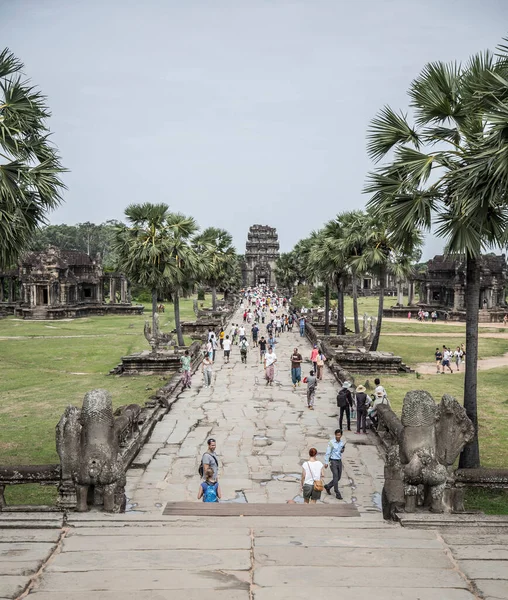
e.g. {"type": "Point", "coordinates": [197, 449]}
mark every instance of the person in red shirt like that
{"type": "Point", "coordinates": [313, 357]}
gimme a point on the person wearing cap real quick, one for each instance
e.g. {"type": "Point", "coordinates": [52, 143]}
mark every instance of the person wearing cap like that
{"type": "Point", "coordinates": [362, 403]}
{"type": "Point", "coordinates": [345, 402]}
{"type": "Point", "coordinates": [209, 459]}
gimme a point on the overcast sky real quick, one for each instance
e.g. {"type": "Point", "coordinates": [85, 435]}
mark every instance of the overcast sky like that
{"type": "Point", "coordinates": [236, 112]}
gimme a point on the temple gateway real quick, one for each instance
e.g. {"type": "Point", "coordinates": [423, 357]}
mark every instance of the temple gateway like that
{"type": "Point", "coordinates": [261, 254]}
{"type": "Point", "coordinates": [57, 284]}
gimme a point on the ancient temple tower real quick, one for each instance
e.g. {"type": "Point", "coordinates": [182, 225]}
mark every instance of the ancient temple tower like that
{"type": "Point", "coordinates": [261, 253]}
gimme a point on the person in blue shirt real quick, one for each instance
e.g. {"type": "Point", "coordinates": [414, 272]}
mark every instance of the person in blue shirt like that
{"type": "Point", "coordinates": [302, 326]}
{"type": "Point", "coordinates": [333, 457]}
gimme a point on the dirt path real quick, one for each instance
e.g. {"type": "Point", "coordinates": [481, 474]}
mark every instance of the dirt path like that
{"type": "Point", "coordinates": [483, 365]}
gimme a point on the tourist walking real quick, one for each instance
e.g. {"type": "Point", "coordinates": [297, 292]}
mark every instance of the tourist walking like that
{"type": "Point", "coordinates": [214, 346]}
{"type": "Point", "coordinates": [227, 349]}
{"type": "Point", "coordinates": [209, 489]}
{"type": "Point", "coordinates": [457, 356]}
{"type": "Point", "coordinates": [302, 326]}
{"type": "Point", "coordinates": [311, 389]}
{"type": "Point", "coordinates": [185, 362]}
{"type": "Point", "coordinates": [296, 368]}
{"type": "Point", "coordinates": [447, 356]}
{"type": "Point", "coordinates": [210, 460]}
{"type": "Point", "coordinates": [207, 370]}
{"type": "Point", "coordinates": [222, 335]}
{"type": "Point", "coordinates": [313, 357]}
{"type": "Point", "coordinates": [241, 332]}
{"type": "Point", "coordinates": [244, 344]}
{"type": "Point", "coordinates": [345, 403]}
{"type": "Point", "coordinates": [438, 355]}
{"type": "Point", "coordinates": [255, 333]}
{"type": "Point", "coordinates": [312, 478]}
{"type": "Point", "coordinates": [362, 404]}
{"type": "Point", "coordinates": [333, 457]}
{"type": "Point", "coordinates": [270, 360]}
{"type": "Point", "coordinates": [262, 349]}
{"type": "Point", "coordinates": [320, 362]}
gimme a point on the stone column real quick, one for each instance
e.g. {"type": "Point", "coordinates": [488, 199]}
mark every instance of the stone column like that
{"type": "Point", "coordinates": [1, 289]}
{"type": "Point", "coordinates": [11, 289]}
{"type": "Point", "coordinates": [112, 290]}
{"type": "Point", "coordinates": [411, 292]}
{"type": "Point", "coordinates": [428, 294]}
{"type": "Point", "coordinates": [123, 291]}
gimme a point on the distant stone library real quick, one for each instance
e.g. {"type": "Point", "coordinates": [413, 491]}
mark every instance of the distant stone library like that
{"type": "Point", "coordinates": [261, 254]}
{"type": "Point", "coordinates": [57, 284]}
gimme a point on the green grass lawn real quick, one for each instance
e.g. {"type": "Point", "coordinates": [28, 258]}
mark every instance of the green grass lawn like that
{"type": "Point", "coordinates": [47, 365]}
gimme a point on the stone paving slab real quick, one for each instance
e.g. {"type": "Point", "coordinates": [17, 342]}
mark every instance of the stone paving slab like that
{"type": "Point", "coordinates": [173, 559]}
{"type": "Point", "coordinates": [481, 552]}
{"type": "Point", "coordinates": [338, 577]}
{"type": "Point", "coordinates": [373, 557]}
{"type": "Point", "coordinates": [10, 536]}
{"type": "Point", "coordinates": [12, 586]}
{"type": "Point", "coordinates": [326, 540]}
{"type": "Point", "coordinates": [358, 592]}
{"type": "Point", "coordinates": [485, 569]}
{"type": "Point", "coordinates": [132, 580]}
{"type": "Point", "coordinates": [183, 541]}
{"type": "Point", "coordinates": [190, 594]}
{"type": "Point", "coordinates": [492, 589]}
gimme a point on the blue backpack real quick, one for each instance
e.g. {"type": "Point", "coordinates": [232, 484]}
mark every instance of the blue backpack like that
{"type": "Point", "coordinates": [210, 492]}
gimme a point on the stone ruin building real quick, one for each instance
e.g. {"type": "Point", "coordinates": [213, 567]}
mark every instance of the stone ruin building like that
{"type": "Point", "coordinates": [443, 286]}
{"type": "Point", "coordinates": [57, 284]}
{"type": "Point", "coordinates": [261, 254]}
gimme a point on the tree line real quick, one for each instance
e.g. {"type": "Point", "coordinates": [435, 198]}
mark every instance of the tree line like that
{"type": "Point", "coordinates": [347, 247]}
{"type": "Point", "coordinates": [166, 252]}
{"type": "Point", "coordinates": [445, 167]}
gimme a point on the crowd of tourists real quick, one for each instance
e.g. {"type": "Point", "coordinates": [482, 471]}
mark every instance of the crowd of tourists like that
{"type": "Point", "coordinates": [264, 318]}
{"type": "Point", "coordinates": [447, 357]}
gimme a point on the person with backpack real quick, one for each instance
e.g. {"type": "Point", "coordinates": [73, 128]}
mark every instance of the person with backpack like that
{"type": "Point", "coordinates": [362, 404]}
{"type": "Point", "coordinates": [244, 344]}
{"type": "Point", "coordinates": [209, 459]}
{"type": "Point", "coordinates": [209, 489]}
{"type": "Point", "coordinates": [345, 403]}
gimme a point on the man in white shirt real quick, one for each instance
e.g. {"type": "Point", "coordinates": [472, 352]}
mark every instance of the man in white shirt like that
{"type": "Point", "coordinates": [241, 332]}
{"type": "Point", "coordinates": [227, 349]}
{"type": "Point", "coordinates": [270, 360]}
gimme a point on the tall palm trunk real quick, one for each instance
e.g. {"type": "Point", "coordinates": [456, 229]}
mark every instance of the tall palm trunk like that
{"type": "Point", "coordinates": [327, 309]}
{"type": "Point", "coordinates": [355, 304]}
{"type": "Point", "coordinates": [470, 456]}
{"type": "Point", "coordinates": [340, 307]}
{"type": "Point", "coordinates": [154, 309]}
{"type": "Point", "coordinates": [176, 304]}
{"type": "Point", "coordinates": [377, 334]}
{"type": "Point", "coordinates": [214, 297]}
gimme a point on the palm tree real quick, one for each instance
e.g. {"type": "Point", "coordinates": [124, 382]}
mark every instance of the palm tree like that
{"type": "Point", "coordinates": [335, 260]}
{"type": "Point", "coordinates": [30, 185]}
{"type": "Point", "coordinates": [186, 265]}
{"type": "Point", "coordinates": [318, 267]}
{"type": "Point", "coordinates": [286, 273]}
{"type": "Point", "coordinates": [353, 244]}
{"type": "Point", "coordinates": [216, 247]}
{"type": "Point", "coordinates": [449, 169]}
{"type": "Point", "coordinates": [143, 249]}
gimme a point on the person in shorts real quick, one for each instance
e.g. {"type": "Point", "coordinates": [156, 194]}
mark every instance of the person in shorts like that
{"type": "Point", "coordinates": [312, 470]}
{"type": "Point", "coordinates": [227, 349]}
{"type": "Point", "coordinates": [445, 363]}
{"type": "Point", "coordinates": [439, 357]}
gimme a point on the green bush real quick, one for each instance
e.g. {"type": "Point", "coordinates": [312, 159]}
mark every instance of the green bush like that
{"type": "Point", "coordinates": [201, 294]}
